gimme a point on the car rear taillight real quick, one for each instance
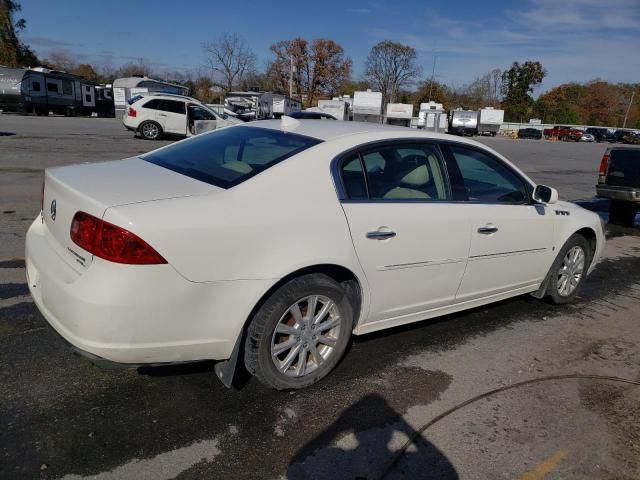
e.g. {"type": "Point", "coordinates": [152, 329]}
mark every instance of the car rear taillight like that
{"type": "Point", "coordinates": [132, 112]}
{"type": "Point", "coordinates": [111, 242]}
{"type": "Point", "coordinates": [604, 167]}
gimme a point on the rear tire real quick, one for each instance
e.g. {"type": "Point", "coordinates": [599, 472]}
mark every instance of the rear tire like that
{"type": "Point", "coordinates": [569, 269]}
{"type": "Point", "coordinates": [622, 213]}
{"type": "Point", "coordinates": [286, 347]}
{"type": "Point", "coordinates": [150, 130]}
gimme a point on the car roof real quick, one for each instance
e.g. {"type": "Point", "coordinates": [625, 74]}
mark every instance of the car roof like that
{"type": "Point", "coordinates": [326, 131]}
{"type": "Point", "coordinates": [169, 96]}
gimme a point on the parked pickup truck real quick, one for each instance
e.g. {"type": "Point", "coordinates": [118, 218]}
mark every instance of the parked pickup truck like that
{"type": "Point", "coordinates": [563, 133]}
{"type": "Point", "coordinates": [619, 181]}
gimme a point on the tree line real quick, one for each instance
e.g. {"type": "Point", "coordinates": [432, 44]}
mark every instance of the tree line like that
{"type": "Point", "coordinates": [319, 68]}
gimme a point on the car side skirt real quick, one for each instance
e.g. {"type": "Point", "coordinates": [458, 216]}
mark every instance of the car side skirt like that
{"type": "Point", "coordinates": [444, 310]}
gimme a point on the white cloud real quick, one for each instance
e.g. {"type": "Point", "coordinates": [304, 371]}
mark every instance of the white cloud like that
{"type": "Point", "coordinates": [575, 41]}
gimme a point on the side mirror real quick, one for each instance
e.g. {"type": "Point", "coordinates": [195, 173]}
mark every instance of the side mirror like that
{"type": "Point", "coordinates": [544, 194]}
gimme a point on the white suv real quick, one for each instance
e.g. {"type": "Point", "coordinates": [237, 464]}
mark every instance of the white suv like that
{"type": "Point", "coordinates": [157, 115]}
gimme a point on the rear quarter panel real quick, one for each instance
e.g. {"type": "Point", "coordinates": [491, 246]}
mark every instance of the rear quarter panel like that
{"type": "Point", "coordinates": [283, 219]}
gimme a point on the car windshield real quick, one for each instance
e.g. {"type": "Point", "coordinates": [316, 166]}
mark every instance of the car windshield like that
{"type": "Point", "coordinates": [230, 156]}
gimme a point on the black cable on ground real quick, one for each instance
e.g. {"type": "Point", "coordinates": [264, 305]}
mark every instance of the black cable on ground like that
{"type": "Point", "coordinates": [454, 409]}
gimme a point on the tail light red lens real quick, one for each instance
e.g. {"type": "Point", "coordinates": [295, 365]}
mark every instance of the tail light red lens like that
{"type": "Point", "coordinates": [604, 166]}
{"type": "Point", "coordinates": [132, 112]}
{"type": "Point", "coordinates": [111, 242]}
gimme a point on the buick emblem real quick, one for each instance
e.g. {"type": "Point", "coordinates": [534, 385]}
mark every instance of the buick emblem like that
{"type": "Point", "coordinates": [53, 210]}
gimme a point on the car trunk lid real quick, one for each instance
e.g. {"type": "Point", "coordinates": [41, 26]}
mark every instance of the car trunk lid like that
{"type": "Point", "coordinates": [92, 188]}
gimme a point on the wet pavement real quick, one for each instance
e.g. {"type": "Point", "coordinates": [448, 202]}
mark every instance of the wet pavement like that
{"type": "Point", "coordinates": [61, 417]}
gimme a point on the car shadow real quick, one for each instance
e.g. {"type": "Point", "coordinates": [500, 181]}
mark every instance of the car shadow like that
{"type": "Point", "coordinates": [601, 207]}
{"type": "Point", "coordinates": [364, 444]}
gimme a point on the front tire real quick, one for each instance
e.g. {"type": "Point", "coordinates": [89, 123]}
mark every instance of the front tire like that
{"type": "Point", "coordinates": [569, 270]}
{"type": "Point", "coordinates": [150, 130]}
{"type": "Point", "coordinates": [300, 333]}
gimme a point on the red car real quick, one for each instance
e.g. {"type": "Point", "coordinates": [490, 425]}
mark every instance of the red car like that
{"type": "Point", "coordinates": [563, 133]}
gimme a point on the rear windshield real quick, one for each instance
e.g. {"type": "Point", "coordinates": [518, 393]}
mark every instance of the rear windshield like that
{"type": "Point", "coordinates": [230, 156]}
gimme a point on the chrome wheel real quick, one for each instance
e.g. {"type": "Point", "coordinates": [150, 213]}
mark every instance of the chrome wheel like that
{"type": "Point", "coordinates": [305, 336]}
{"type": "Point", "coordinates": [150, 131]}
{"type": "Point", "coordinates": [571, 271]}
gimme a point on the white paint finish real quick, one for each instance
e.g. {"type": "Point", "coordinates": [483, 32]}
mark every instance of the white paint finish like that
{"type": "Point", "coordinates": [164, 466]}
{"type": "Point", "coordinates": [227, 248]}
{"type": "Point", "coordinates": [518, 254]}
{"type": "Point", "coordinates": [422, 266]}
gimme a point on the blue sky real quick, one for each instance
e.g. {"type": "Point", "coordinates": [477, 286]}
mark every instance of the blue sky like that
{"type": "Point", "coordinates": [576, 40]}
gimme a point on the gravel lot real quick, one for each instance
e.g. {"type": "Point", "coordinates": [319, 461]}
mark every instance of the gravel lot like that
{"type": "Point", "coordinates": [61, 417]}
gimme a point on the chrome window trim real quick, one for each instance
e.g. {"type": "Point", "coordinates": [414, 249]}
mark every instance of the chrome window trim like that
{"type": "Point", "coordinates": [341, 192]}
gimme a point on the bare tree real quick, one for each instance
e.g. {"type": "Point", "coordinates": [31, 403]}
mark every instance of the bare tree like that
{"type": "Point", "coordinates": [229, 58]}
{"type": "Point", "coordinates": [389, 67]}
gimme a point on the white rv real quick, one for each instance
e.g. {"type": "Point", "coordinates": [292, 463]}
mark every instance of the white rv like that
{"type": "Point", "coordinates": [489, 121]}
{"type": "Point", "coordinates": [367, 106]}
{"type": "Point", "coordinates": [432, 117]}
{"type": "Point", "coordinates": [399, 114]}
{"type": "Point", "coordinates": [284, 105]}
{"type": "Point", "coordinates": [335, 108]}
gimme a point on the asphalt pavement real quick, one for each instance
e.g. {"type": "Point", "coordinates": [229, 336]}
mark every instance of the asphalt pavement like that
{"type": "Point", "coordinates": [519, 389]}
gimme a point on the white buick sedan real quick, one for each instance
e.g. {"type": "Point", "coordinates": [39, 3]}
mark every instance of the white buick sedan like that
{"type": "Point", "coordinates": [271, 243]}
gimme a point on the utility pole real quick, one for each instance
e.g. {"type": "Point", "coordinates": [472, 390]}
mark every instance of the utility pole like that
{"type": "Point", "coordinates": [291, 78]}
{"type": "Point", "coordinates": [624, 123]}
{"type": "Point", "coordinates": [433, 73]}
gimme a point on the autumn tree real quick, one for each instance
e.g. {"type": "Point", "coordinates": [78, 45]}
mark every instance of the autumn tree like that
{"type": "Point", "coordinates": [434, 91]}
{"type": "Point", "coordinates": [390, 67]}
{"type": "Point", "coordinates": [13, 53]}
{"type": "Point", "coordinates": [320, 68]}
{"type": "Point", "coordinates": [229, 58]}
{"type": "Point", "coordinates": [517, 84]}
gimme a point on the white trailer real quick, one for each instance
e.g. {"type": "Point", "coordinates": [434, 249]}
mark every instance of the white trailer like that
{"type": "Point", "coordinates": [336, 108]}
{"type": "Point", "coordinates": [284, 105]}
{"type": "Point", "coordinates": [367, 106]}
{"type": "Point", "coordinates": [489, 121]}
{"type": "Point", "coordinates": [399, 114]}
{"type": "Point", "coordinates": [432, 117]}
{"type": "Point", "coordinates": [463, 122]}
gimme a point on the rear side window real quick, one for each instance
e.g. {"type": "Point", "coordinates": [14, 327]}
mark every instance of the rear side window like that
{"type": "Point", "coordinates": [152, 104]}
{"type": "Point", "coordinates": [230, 156]}
{"type": "Point", "coordinates": [398, 172]}
{"type": "Point", "coordinates": [172, 106]}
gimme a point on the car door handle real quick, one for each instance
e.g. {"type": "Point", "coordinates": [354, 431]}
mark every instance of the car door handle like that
{"type": "Point", "coordinates": [380, 235]}
{"type": "Point", "coordinates": [487, 230]}
{"type": "Point", "coordinates": [162, 114]}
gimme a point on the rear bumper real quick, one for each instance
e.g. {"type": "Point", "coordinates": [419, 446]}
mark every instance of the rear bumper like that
{"type": "Point", "coordinates": [136, 314]}
{"type": "Point", "coordinates": [627, 194]}
{"type": "Point", "coordinates": [129, 124]}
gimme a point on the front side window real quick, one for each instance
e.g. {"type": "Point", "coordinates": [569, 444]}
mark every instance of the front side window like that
{"type": "Point", "coordinates": [199, 113]}
{"type": "Point", "coordinates": [486, 179]}
{"type": "Point", "coordinates": [230, 156]}
{"type": "Point", "coordinates": [52, 87]}
{"type": "Point", "coordinates": [397, 172]}
{"type": "Point", "coordinates": [35, 86]}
